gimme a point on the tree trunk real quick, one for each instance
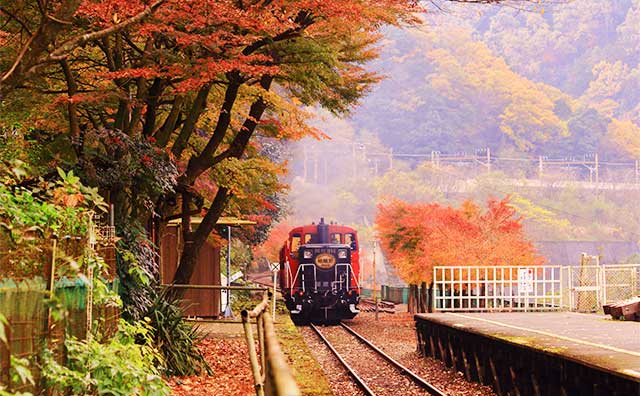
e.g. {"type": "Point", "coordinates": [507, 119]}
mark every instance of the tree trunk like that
{"type": "Point", "coordinates": [414, 299]}
{"type": "Point", "coordinates": [423, 297]}
{"type": "Point", "coordinates": [194, 240]}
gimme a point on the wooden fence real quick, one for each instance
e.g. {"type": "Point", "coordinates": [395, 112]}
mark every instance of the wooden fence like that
{"type": "Point", "coordinates": [26, 304]}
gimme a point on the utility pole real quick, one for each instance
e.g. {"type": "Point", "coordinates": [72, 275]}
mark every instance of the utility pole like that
{"type": "Point", "coordinates": [353, 160]}
{"type": "Point", "coordinates": [597, 171]}
{"type": "Point", "coordinates": [391, 158]}
{"type": "Point", "coordinates": [304, 166]}
{"type": "Point", "coordinates": [227, 312]}
{"type": "Point", "coordinates": [375, 290]}
{"type": "Point", "coordinates": [488, 160]}
{"type": "Point", "coordinates": [326, 169]}
{"type": "Point", "coordinates": [315, 167]}
{"type": "Point", "coordinates": [540, 169]}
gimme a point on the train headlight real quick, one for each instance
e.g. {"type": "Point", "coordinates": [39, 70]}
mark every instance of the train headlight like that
{"type": "Point", "coordinates": [307, 254]}
{"type": "Point", "coordinates": [342, 254]}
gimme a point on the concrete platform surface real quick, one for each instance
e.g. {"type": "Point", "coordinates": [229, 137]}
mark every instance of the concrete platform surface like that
{"type": "Point", "coordinates": [590, 339]}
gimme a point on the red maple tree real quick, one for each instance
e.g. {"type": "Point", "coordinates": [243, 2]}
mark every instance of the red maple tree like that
{"type": "Point", "coordinates": [418, 237]}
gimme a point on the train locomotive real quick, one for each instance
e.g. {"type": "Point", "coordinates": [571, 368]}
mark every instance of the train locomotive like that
{"type": "Point", "coordinates": [319, 269]}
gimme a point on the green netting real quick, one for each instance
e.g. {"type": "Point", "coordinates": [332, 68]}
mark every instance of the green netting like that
{"type": "Point", "coordinates": [22, 300]}
{"type": "Point", "coordinates": [72, 293]}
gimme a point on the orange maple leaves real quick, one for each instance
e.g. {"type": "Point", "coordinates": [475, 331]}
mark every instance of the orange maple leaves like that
{"type": "Point", "coordinates": [270, 249]}
{"type": "Point", "coordinates": [417, 237]}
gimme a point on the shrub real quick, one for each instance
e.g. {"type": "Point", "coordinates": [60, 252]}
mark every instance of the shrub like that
{"type": "Point", "coordinates": [127, 365]}
{"type": "Point", "coordinates": [175, 338]}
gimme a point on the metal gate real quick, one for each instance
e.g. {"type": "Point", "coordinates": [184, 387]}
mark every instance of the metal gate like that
{"type": "Point", "coordinates": [583, 288]}
{"type": "Point", "coordinates": [501, 288]}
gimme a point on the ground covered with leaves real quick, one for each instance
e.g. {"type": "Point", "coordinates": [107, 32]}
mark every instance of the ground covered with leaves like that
{"type": "Point", "coordinates": [225, 349]}
{"type": "Point", "coordinates": [231, 371]}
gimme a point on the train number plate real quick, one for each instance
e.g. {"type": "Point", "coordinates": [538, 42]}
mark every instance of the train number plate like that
{"type": "Point", "coordinates": [325, 260]}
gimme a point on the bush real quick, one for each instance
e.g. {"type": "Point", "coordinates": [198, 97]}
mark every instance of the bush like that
{"type": "Point", "coordinates": [175, 338]}
{"type": "Point", "coordinates": [127, 365]}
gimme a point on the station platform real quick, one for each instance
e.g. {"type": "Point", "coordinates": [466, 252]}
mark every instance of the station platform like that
{"type": "Point", "coordinates": [537, 353]}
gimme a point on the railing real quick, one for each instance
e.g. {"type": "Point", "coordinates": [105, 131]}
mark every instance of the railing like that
{"type": "Point", "coordinates": [582, 288]}
{"type": "Point", "coordinates": [491, 288]}
{"type": "Point", "coordinates": [271, 373]}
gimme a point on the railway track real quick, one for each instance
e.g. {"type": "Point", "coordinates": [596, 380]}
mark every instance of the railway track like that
{"type": "Point", "coordinates": [388, 377]}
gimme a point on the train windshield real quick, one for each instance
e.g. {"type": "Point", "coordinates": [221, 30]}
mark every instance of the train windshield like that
{"type": "Point", "coordinates": [350, 239]}
{"type": "Point", "coordinates": [335, 238]}
{"type": "Point", "coordinates": [295, 244]}
{"type": "Point", "coordinates": [307, 238]}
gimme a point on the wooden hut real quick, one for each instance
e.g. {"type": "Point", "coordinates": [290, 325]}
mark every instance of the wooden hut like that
{"type": "Point", "coordinates": [198, 302]}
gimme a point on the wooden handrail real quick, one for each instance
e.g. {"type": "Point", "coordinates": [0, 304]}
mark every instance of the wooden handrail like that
{"type": "Point", "coordinates": [272, 376]}
{"type": "Point", "coordinates": [215, 287]}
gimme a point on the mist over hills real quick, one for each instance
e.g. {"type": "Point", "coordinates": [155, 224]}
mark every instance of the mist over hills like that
{"type": "Point", "coordinates": [562, 82]}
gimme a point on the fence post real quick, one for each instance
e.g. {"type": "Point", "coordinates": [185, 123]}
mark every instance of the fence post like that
{"type": "Point", "coordinates": [253, 358]}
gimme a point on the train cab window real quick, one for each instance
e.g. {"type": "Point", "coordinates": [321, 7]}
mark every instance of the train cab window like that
{"type": "Point", "coordinates": [350, 239]}
{"type": "Point", "coordinates": [295, 244]}
{"type": "Point", "coordinates": [308, 238]}
{"type": "Point", "coordinates": [335, 238]}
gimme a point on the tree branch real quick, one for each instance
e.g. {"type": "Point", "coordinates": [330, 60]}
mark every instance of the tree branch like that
{"type": "Point", "coordinates": [198, 106]}
{"type": "Point", "coordinates": [78, 41]}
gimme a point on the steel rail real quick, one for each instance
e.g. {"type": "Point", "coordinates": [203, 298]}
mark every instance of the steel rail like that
{"type": "Point", "coordinates": [415, 377]}
{"type": "Point", "coordinates": [352, 372]}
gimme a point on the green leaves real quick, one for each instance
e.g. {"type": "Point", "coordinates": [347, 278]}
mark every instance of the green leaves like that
{"type": "Point", "coordinates": [175, 338]}
{"type": "Point", "coordinates": [128, 364]}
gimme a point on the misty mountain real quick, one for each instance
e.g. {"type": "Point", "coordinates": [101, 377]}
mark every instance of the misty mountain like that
{"type": "Point", "coordinates": [561, 81]}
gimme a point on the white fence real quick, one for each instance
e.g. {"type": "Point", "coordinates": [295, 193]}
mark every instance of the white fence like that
{"type": "Point", "coordinates": [536, 288]}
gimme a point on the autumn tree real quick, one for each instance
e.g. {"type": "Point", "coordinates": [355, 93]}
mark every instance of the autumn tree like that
{"type": "Point", "coordinates": [208, 84]}
{"type": "Point", "coordinates": [269, 250]}
{"type": "Point", "coordinates": [418, 237]}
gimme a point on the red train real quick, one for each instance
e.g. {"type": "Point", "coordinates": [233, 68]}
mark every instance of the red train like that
{"type": "Point", "coordinates": [319, 269]}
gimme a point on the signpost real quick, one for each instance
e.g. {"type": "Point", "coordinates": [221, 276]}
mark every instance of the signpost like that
{"type": "Point", "coordinates": [275, 267]}
{"type": "Point", "coordinates": [226, 293]}
{"type": "Point", "coordinates": [525, 284]}
{"type": "Point", "coordinates": [525, 280]}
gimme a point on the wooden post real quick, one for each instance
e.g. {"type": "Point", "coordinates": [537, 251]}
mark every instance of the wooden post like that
{"type": "Point", "coordinates": [479, 367]}
{"type": "Point", "coordinates": [412, 298]}
{"type": "Point", "coordinates": [465, 361]}
{"type": "Point", "coordinates": [496, 379]}
{"type": "Point", "coordinates": [253, 358]}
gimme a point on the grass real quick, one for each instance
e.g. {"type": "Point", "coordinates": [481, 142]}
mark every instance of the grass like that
{"type": "Point", "coordinates": [306, 370]}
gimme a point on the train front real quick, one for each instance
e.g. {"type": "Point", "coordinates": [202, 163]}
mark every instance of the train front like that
{"type": "Point", "coordinates": [324, 285]}
{"type": "Point", "coordinates": [325, 294]}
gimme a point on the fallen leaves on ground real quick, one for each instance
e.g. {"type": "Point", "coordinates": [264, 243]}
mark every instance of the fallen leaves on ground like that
{"type": "Point", "coordinates": [229, 363]}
